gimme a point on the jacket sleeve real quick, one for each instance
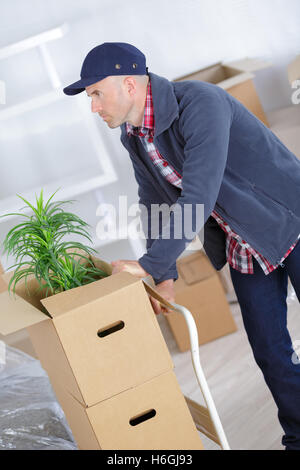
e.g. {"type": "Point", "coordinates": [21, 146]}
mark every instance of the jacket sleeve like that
{"type": "Point", "coordinates": [147, 197]}
{"type": "Point", "coordinates": [204, 123]}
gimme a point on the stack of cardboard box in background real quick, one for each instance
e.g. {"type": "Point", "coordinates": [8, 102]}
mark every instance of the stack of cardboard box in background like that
{"type": "Point", "coordinates": [107, 362]}
{"type": "Point", "coordinates": [237, 79]}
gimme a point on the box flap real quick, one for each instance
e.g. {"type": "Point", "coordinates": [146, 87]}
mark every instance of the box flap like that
{"type": "Point", "coordinates": [294, 70]}
{"type": "Point", "coordinates": [203, 74]}
{"type": "Point", "coordinates": [195, 268]}
{"type": "Point", "coordinates": [101, 264]}
{"type": "Point", "coordinates": [70, 299]}
{"type": "Point", "coordinates": [248, 64]}
{"type": "Point", "coordinates": [27, 290]}
{"type": "Point", "coordinates": [157, 296]}
{"type": "Point", "coordinates": [220, 74]}
{"type": "Point", "coordinates": [236, 80]}
{"type": "Point", "coordinates": [17, 314]}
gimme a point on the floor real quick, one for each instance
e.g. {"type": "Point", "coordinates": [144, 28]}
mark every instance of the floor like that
{"type": "Point", "coordinates": [245, 405]}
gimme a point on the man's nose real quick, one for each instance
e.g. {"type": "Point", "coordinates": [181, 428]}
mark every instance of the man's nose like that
{"type": "Point", "coordinates": [96, 107]}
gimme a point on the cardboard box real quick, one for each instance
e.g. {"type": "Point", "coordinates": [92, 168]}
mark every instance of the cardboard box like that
{"type": "Point", "coordinates": [20, 339]}
{"type": "Point", "coordinates": [107, 361]}
{"type": "Point", "coordinates": [100, 339]}
{"type": "Point", "coordinates": [237, 79]}
{"type": "Point", "coordinates": [199, 289]}
{"type": "Point", "coordinates": [153, 415]}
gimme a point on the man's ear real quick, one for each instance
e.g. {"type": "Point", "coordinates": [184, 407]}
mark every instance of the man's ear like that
{"type": "Point", "coordinates": [130, 84]}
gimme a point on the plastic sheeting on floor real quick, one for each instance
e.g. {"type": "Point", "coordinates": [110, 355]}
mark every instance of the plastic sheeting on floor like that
{"type": "Point", "coordinates": [30, 416]}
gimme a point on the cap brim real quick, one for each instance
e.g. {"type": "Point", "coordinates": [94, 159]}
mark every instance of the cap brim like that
{"type": "Point", "coordinates": [79, 86]}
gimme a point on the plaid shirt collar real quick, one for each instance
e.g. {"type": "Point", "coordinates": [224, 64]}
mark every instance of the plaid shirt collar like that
{"type": "Point", "coordinates": [147, 127]}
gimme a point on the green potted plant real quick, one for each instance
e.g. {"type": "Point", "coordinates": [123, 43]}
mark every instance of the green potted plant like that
{"type": "Point", "coordinates": [40, 250]}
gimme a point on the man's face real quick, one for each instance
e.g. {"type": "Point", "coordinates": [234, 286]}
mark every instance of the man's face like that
{"type": "Point", "coordinates": [111, 100]}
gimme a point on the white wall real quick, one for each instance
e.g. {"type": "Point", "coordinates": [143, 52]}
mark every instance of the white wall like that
{"type": "Point", "coordinates": [177, 37]}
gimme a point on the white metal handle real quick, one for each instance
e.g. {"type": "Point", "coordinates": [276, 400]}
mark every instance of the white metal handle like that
{"type": "Point", "coordinates": [200, 374]}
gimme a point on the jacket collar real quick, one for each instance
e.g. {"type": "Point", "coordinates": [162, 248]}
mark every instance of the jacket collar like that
{"type": "Point", "coordinates": [165, 104]}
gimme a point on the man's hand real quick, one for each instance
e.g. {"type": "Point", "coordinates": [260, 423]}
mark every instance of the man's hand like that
{"type": "Point", "coordinates": [132, 267]}
{"type": "Point", "coordinates": [166, 290]}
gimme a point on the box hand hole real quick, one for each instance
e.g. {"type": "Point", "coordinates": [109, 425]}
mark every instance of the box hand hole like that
{"type": "Point", "coordinates": [142, 417]}
{"type": "Point", "coordinates": [108, 330]}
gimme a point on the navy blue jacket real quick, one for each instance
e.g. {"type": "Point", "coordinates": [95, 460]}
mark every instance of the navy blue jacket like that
{"type": "Point", "coordinates": [229, 161]}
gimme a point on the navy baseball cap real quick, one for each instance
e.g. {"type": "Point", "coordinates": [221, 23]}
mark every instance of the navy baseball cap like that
{"type": "Point", "coordinates": [110, 58]}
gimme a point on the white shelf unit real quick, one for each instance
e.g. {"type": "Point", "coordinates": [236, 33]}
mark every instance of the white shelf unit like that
{"type": "Point", "coordinates": [73, 185]}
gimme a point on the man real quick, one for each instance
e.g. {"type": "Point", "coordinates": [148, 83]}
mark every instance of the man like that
{"type": "Point", "coordinates": [192, 143]}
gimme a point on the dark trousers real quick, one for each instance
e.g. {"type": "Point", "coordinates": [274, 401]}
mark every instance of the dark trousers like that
{"type": "Point", "coordinates": [262, 299]}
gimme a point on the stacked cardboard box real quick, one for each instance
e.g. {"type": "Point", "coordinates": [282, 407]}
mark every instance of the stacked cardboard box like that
{"type": "Point", "coordinates": [199, 289]}
{"type": "Point", "coordinates": [107, 361]}
{"type": "Point", "coordinates": [237, 79]}
{"type": "Point", "coordinates": [19, 339]}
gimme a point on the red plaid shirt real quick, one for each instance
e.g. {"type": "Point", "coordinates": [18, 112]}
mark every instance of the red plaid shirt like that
{"type": "Point", "coordinates": [238, 252]}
